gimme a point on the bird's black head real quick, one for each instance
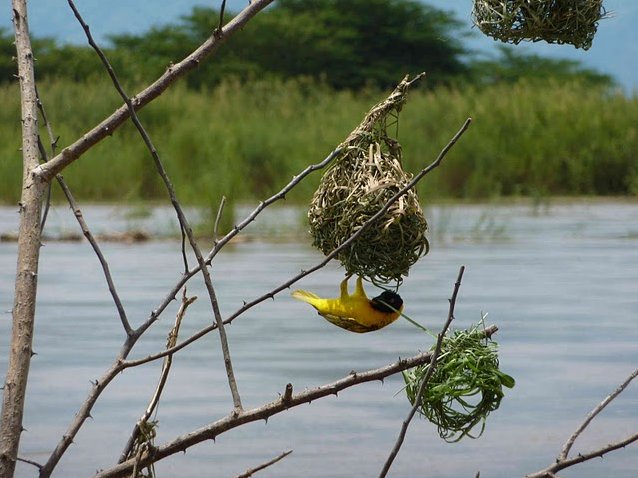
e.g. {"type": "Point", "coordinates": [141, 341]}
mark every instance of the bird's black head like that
{"type": "Point", "coordinates": [387, 302]}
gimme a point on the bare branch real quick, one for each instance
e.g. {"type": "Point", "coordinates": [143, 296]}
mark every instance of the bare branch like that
{"type": "Point", "coordinates": [98, 252]}
{"type": "Point", "coordinates": [72, 152]}
{"type": "Point", "coordinates": [218, 218]}
{"type": "Point", "coordinates": [563, 461]}
{"type": "Point", "coordinates": [551, 470]}
{"type": "Point", "coordinates": [252, 471]}
{"type": "Point", "coordinates": [267, 410]}
{"type": "Point", "coordinates": [29, 237]}
{"type": "Point", "coordinates": [599, 408]}
{"type": "Point", "coordinates": [83, 225]}
{"type": "Point", "coordinates": [166, 367]}
{"type": "Point", "coordinates": [426, 379]}
{"type": "Point", "coordinates": [183, 221]}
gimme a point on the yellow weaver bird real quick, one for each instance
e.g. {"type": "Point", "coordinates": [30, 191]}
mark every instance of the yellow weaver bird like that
{"type": "Point", "coordinates": [355, 312]}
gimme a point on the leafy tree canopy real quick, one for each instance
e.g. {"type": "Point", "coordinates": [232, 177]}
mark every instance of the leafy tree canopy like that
{"type": "Point", "coordinates": [344, 43]}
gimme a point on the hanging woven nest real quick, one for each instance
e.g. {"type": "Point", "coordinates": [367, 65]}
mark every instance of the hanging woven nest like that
{"type": "Point", "coordinates": [555, 21]}
{"type": "Point", "coordinates": [363, 178]}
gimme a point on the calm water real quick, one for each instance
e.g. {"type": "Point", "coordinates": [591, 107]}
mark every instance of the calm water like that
{"type": "Point", "coordinates": [560, 282]}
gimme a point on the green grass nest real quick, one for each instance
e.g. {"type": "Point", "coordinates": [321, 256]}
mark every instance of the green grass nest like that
{"type": "Point", "coordinates": [556, 21]}
{"type": "Point", "coordinates": [465, 387]}
{"type": "Point", "coordinates": [356, 187]}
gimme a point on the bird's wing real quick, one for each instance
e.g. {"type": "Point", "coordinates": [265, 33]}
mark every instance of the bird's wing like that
{"type": "Point", "coordinates": [349, 323]}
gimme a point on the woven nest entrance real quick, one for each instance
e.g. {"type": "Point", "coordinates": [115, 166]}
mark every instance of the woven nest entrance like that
{"type": "Point", "coordinates": [555, 21]}
{"type": "Point", "coordinates": [366, 175]}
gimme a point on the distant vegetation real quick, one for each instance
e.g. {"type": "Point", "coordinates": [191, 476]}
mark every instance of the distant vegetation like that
{"type": "Point", "coordinates": [247, 140]}
{"type": "Point", "coordinates": [288, 89]}
{"type": "Point", "coordinates": [346, 44]}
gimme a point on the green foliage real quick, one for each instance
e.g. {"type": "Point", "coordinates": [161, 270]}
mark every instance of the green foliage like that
{"type": "Point", "coordinates": [246, 140]}
{"type": "Point", "coordinates": [342, 43]}
{"type": "Point", "coordinates": [465, 386]}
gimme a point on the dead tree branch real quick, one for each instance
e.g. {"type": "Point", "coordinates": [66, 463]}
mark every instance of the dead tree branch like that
{"type": "Point", "coordinates": [284, 402]}
{"type": "Point", "coordinates": [166, 367]}
{"type": "Point", "coordinates": [106, 128]}
{"type": "Point", "coordinates": [183, 221]}
{"type": "Point", "coordinates": [563, 461]}
{"type": "Point", "coordinates": [33, 193]}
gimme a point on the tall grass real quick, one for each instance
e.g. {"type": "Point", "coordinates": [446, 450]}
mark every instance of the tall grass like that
{"type": "Point", "coordinates": [246, 141]}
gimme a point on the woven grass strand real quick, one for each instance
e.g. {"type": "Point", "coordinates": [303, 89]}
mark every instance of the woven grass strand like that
{"type": "Point", "coordinates": [358, 184]}
{"type": "Point", "coordinates": [465, 388]}
{"type": "Point", "coordinates": [565, 22]}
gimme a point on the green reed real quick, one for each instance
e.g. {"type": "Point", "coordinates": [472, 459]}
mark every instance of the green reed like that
{"type": "Point", "coordinates": [246, 141]}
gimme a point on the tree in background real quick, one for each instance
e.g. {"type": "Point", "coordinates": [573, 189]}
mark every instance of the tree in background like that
{"type": "Point", "coordinates": [345, 44]}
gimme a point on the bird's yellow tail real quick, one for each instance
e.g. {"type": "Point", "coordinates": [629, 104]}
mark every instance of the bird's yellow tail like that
{"type": "Point", "coordinates": [305, 296]}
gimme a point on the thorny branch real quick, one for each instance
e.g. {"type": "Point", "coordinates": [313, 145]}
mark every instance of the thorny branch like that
{"type": "Point", "coordinates": [166, 367]}
{"type": "Point", "coordinates": [106, 128]}
{"type": "Point", "coordinates": [284, 402]}
{"type": "Point", "coordinates": [426, 379]}
{"type": "Point", "coordinates": [563, 461]}
{"type": "Point", "coordinates": [29, 236]}
{"type": "Point", "coordinates": [83, 225]}
{"type": "Point", "coordinates": [183, 221]}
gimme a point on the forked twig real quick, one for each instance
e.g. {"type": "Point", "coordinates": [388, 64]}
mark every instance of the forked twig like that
{"type": "Point", "coordinates": [563, 461]}
{"type": "Point", "coordinates": [166, 367]}
{"type": "Point", "coordinates": [183, 221]}
{"type": "Point", "coordinates": [426, 378]}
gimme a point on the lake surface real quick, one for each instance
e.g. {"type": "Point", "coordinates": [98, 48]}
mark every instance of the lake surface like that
{"type": "Point", "coordinates": [560, 281]}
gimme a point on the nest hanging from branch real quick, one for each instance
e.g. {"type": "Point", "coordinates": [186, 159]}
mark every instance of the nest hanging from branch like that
{"type": "Point", "coordinates": [359, 183]}
{"type": "Point", "coordinates": [555, 21]}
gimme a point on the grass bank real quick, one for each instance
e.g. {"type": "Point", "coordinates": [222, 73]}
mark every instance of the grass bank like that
{"type": "Point", "coordinates": [246, 141]}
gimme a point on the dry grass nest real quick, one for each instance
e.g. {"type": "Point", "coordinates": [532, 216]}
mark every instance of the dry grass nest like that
{"type": "Point", "coordinates": [359, 184]}
{"type": "Point", "coordinates": [555, 21]}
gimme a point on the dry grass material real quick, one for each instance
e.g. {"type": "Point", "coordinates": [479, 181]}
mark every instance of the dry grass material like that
{"type": "Point", "coordinates": [358, 184]}
{"type": "Point", "coordinates": [555, 21]}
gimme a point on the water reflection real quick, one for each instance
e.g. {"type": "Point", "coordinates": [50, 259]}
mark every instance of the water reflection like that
{"type": "Point", "coordinates": [560, 283]}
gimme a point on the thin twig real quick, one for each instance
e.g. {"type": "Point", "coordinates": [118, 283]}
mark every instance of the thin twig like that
{"type": "Point", "coordinates": [252, 471]}
{"type": "Point", "coordinates": [563, 461]}
{"type": "Point", "coordinates": [106, 128]}
{"type": "Point", "coordinates": [83, 225]}
{"type": "Point", "coordinates": [222, 10]}
{"type": "Point", "coordinates": [599, 408]}
{"type": "Point", "coordinates": [166, 367]}
{"type": "Point", "coordinates": [551, 470]}
{"type": "Point", "coordinates": [218, 218]}
{"type": "Point", "coordinates": [234, 420]}
{"type": "Point", "coordinates": [53, 142]}
{"type": "Point", "coordinates": [30, 462]}
{"type": "Point", "coordinates": [98, 252]}
{"type": "Point", "coordinates": [424, 383]}
{"type": "Point", "coordinates": [186, 228]}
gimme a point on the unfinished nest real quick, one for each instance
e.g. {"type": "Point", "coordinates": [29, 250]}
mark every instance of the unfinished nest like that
{"type": "Point", "coordinates": [466, 386]}
{"type": "Point", "coordinates": [359, 184]}
{"type": "Point", "coordinates": [555, 21]}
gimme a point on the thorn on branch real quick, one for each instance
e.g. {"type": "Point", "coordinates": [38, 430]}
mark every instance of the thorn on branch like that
{"type": "Point", "coordinates": [287, 397]}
